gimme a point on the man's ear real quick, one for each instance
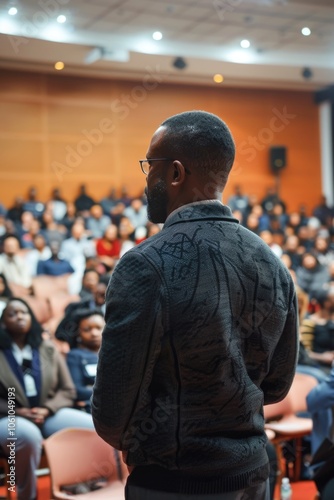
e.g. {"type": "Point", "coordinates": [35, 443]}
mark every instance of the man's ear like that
{"type": "Point", "coordinates": [179, 173]}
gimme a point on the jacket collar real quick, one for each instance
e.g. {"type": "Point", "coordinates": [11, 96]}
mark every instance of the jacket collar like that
{"type": "Point", "coordinates": [200, 210]}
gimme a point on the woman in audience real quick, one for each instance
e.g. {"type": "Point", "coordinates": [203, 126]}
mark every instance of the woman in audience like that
{"type": "Point", "coordinates": [108, 247]}
{"type": "Point", "coordinates": [86, 329]}
{"type": "Point", "coordinates": [311, 275]}
{"type": "Point", "coordinates": [37, 386]}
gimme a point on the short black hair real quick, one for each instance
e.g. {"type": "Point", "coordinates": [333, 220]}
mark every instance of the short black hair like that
{"type": "Point", "coordinates": [34, 336]}
{"type": "Point", "coordinates": [204, 140]}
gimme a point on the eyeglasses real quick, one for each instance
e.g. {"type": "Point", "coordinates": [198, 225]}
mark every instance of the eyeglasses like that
{"type": "Point", "coordinates": [145, 164]}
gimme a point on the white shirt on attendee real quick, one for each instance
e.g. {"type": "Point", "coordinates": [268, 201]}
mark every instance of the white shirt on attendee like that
{"type": "Point", "coordinates": [33, 256]}
{"type": "Point", "coordinates": [15, 270]}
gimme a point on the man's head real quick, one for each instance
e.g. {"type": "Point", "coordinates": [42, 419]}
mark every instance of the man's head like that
{"type": "Point", "coordinates": [197, 149]}
{"type": "Point", "coordinates": [11, 246]}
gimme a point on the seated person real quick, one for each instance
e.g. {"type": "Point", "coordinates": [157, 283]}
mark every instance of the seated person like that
{"type": "Point", "coordinates": [54, 266]}
{"type": "Point", "coordinates": [108, 247]}
{"type": "Point", "coordinates": [317, 330]}
{"type": "Point", "coordinates": [90, 280]}
{"type": "Point", "coordinates": [320, 403]}
{"type": "Point", "coordinates": [87, 326]}
{"type": "Point", "coordinates": [41, 389]}
{"type": "Point", "coordinates": [12, 265]}
{"type": "Point", "coordinates": [97, 303]}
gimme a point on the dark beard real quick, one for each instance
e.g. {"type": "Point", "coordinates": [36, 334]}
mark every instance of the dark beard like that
{"type": "Point", "coordinates": [157, 201]}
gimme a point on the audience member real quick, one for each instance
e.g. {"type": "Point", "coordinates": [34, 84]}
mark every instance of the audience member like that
{"type": "Point", "coordinates": [317, 330]}
{"type": "Point", "coordinates": [76, 248]}
{"type": "Point", "coordinates": [96, 303]}
{"type": "Point", "coordinates": [32, 204]}
{"type": "Point", "coordinates": [57, 205]}
{"type": "Point", "coordinates": [320, 403]}
{"type": "Point", "coordinates": [44, 392]}
{"type": "Point", "coordinates": [27, 239]}
{"type": "Point", "coordinates": [293, 249]}
{"type": "Point", "coordinates": [126, 235]}
{"type": "Point", "coordinates": [90, 280]}
{"type": "Point", "coordinates": [40, 251]}
{"type": "Point", "coordinates": [109, 202]}
{"type": "Point", "coordinates": [83, 202]}
{"type": "Point", "coordinates": [323, 212]}
{"type": "Point", "coordinates": [12, 265]}
{"type": "Point", "coordinates": [14, 213]}
{"type": "Point", "coordinates": [267, 237]}
{"type": "Point", "coordinates": [54, 266]}
{"type": "Point", "coordinates": [311, 275]}
{"type": "Point", "coordinates": [85, 342]}
{"type": "Point", "coordinates": [51, 229]}
{"type": "Point", "coordinates": [136, 212]}
{"type": "Point", "coordinates": [108, 247]}
{"type": "Point", "coordinates": [70, 217]}
{"type": "Point", "coordinates": [238, 200]}
{"type": "Point", "coordinates": [97, 222]}
{"type": "Point", "coordinates": [322, 250]}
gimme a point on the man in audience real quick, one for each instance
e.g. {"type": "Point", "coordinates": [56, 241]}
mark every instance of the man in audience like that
{"type": "Point", "coordinates": [12, 265]}
{"type": "Point", "coordinates": [201, 331]}
{"type": "Point", "coordinates": [54, 266]}
{"type": "Point", "coordinates": [76, 248]}
{"type": "Point", "coordinates": [97, 222]}
{"type": "Point", "coordinates": [41, 251]}
{"type": "Point", "coordinates": [33, 205]}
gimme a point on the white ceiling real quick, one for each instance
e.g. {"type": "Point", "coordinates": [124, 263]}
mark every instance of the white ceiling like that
{"type": "Point", "coordinates": [117, 35]}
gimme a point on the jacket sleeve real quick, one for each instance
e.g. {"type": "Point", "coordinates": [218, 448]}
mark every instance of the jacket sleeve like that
{"type": "Point", "coordinates": [64, 393]}
{"type": "Point", "coordinates": [283, 363]}
{"type": "Point", "coordinates": [130, 346]}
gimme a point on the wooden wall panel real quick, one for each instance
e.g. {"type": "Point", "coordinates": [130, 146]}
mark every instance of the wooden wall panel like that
{"type": "Point", "coordinates": [63, 131]}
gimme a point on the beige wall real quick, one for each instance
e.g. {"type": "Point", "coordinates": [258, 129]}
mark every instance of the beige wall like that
{"type": "Point", "coordinates": [45, 121]}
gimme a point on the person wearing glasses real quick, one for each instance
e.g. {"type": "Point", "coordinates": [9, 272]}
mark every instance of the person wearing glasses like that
{"type": "Point", "coordinates": [201, 331]}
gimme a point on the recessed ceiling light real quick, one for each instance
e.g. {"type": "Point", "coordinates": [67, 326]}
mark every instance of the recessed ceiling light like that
{"type": "Point", "coordinates": [12, 11]}
{"type": "Point", "coordinates": [157, 35]}
{"type": "Point", "coordinates": [245, 44]}
{"type": "Point", "coordinates": [218, 78]}
{"type": "Point", "coordinates": [59, 65]}
{"type": "Point", "coordinates": [306, 31]}
{"type": "Point", "coordinates": [61, 19]}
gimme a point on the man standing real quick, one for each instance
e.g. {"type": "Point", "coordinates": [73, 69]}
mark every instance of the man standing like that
{"type": "Point", "coordinates": [201, 331]}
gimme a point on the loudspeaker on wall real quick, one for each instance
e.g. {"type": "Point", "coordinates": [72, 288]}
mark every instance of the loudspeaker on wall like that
{"type": "Point", "coordinates": [277, 158]}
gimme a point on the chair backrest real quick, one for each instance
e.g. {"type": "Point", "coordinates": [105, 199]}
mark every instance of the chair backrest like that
{"type": "Point", "coordinates": [295, 400]}
{"type": "Point", "coordinates": [80, 455]}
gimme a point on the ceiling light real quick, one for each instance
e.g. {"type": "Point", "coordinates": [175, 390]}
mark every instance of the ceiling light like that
{"type": "Point", "coordinates": [59, 65]}
{"type": "Point", "coordinates": [157, 35]}
{"type": "Point", "coordinates": [218, 78]}
{"type": "Point", "coordinates": [306, 31]}
{"type": "Point", "coordinates": [12, 11]}
{"type": "Point", "coordinates": [61, 19]}
{"type": "Point", "coordinates": [245, 44]}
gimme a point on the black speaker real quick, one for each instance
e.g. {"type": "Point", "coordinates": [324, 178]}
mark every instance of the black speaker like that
{"type": "Point", "coordinates": [277, 158]}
